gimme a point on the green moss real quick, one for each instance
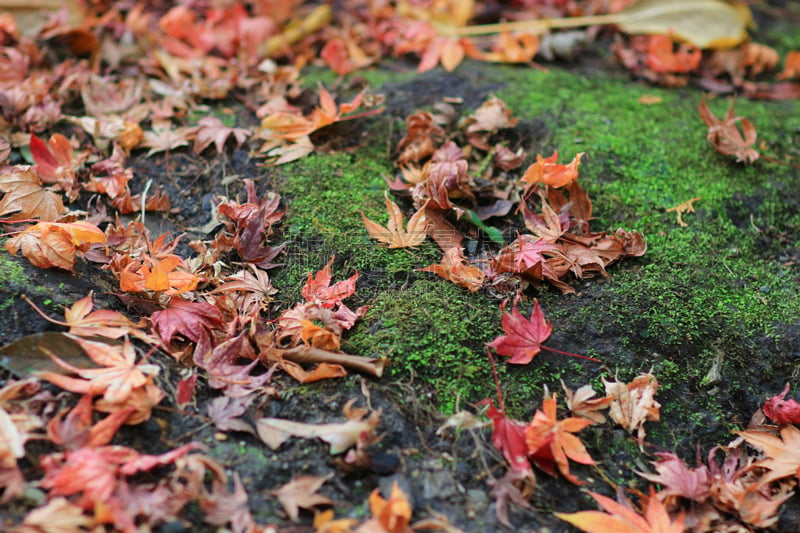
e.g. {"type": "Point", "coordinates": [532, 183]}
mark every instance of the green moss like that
{"type": "Point", "coordinates": [435, 331]}
{"type": "Point", "coordinates": [13, 281]}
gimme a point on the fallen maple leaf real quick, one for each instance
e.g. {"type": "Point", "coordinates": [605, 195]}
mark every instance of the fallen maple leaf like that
{"type": "Point", "coordinates": [456, 268]}
{"type": "Point", "coordinates": [782, 411]}
{"type": "Point", "coordinates": [115, 380]}
{"type": "Point", "coordinates": [163, 138]}
{"type": "Point", "coordinates": [212, 130]}
{"type": "Point", "coordinates": [394, 234]}
{"type": "Point", "coordinates": [340, 436]}
{"type": "Point", "coordinates": [57, 516]}
{"type": "Point", "coordinates": [388, 515]}
{"type": "Point", "coordinates": [551, 440]}
{"type": "Point", "coordinates": [583, 404]}
{"type": "Point", "coordinates": [55, 244]}
{"type": "Point", "coordinates": [25, 197]}
{"type": "Point", "coordinates": [523, 338]}
{"type": "Point", "coordinates": [548, 172]}
{"type": "Point", "coordinates": [318, 287]}
{"type": "Point", "coordinates": [634, 403]}
{"type": "Point", "coordinates": [662, 58]}
{"type": "Point", "coordinates": [621, 518]}
{"type": "Point", "coordinates": [726, 137]}
{"type": "Point", "coordinates": [508, 436]}
{"type": "Point", "coordinates": [783, 453]}
{"type": "Point", "coordinates": [680, 480]}
{"type": "Point", "coordinates": [301, 493]}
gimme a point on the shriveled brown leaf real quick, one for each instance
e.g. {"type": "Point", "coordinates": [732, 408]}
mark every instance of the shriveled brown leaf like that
{"type": "Point", "coordinates": [456, 268]}
{"type": "Point", "coordinates": [726, 137]}
{"type": "Point", "coordinates": [634, 403]}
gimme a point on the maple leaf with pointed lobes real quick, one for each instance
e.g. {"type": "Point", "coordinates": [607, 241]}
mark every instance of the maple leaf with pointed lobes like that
{"type": "Point", "coordinates": [550, 440]}
{"type": "Point", "coordinates": [194, 321]}
{"type": "Point", "coordinates": [782, 411]}
{"type": "Point", "coordinates": [212, 130]}
{"type": "Point", "coordinates": [301, 493]}
{"type": "Point", "coordinates": [783, 453]}
{"type": "Point", "coordinates": [56, 164]}
{"type": "Point", "coordinates": [726, 137]}
{"type": "Point", "coordinates": [621, 518]}
{"type": "Point", "coordinates": [115, 380]}
{"type": "Point", "coordinates": [508, 436]}
{"type": "Point", "coordinates": [394, 234]}
{"type": "Point", "coordinates": [25, 197]}
{"type": "Point", "coordinates": [678, 479]}
{"type": "Point", "coordinates": [318, 287]}
{"type": "Point", "coordinates": [523, 338]}
{"type": "Point", "coordinates": [163, 138]}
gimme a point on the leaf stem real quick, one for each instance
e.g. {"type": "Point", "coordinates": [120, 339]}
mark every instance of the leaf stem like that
{"type": "Point", "coordinates": [570, 354]}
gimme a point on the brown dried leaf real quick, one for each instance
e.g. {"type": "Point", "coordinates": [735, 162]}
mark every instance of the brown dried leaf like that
{"type": "Point", "coordinates": [634, 403]}
{"type": "Point", "coordinates": [726, 137]}
{"type": "Point", "coordinates": [25, 196]}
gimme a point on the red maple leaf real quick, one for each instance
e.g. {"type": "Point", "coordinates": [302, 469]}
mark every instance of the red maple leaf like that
{"type": "Point", "coordinates": [194, 321]}
{"type": "Point", "coordinates": [318, 287]}
{"type": "Point", "coordinates": [782, 411]}
{"type": "Point", "coordinates": [523, 338]}
{"type": "Point", "coordinates": [508, 436]}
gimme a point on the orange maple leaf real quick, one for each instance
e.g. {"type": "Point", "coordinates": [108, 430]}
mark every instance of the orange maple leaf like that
{"type": "Point", "coordinates": [551, 440]}
{"type": "Point", "coordinates": [393, 234]}
{"type": "Point", "coordinates": [454, 267]}
{"type": "Point", "coordinates": [165, 275]}
{"type": "Point", "coordinates": [550, 173]}
{"type": "Point", "coordinates": [620, 518]}
{"type": "Point", "coordinates": [392, 515]}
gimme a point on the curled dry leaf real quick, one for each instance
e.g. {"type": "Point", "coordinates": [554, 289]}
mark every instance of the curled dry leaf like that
{"type": "Point", "coordinates": [782, 453]}
{"type": "Point", "coordinates": [782, 411]}
{"type": "Point", "coordinates": [55, 244]}
{"type": "Point", "coordinates": [388, 515]}
{"type": "Point", "coordinates": [726, 136]}
{"type": "Point", "coordinates": [634, 403]}
{"type": "Point", "coordinates": [454, 267]}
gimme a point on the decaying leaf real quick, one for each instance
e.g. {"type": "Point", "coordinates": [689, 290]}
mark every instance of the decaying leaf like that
{"type": "Point", "coordinates": [634, 403]}
{"type": "Point", "coordinates": [390, 515]}
{"type": "Point", "coordinates": [394, 234]}
{"type": "Point", "coordinates": [782, 411]}
{"type": "Point", "coordinates": [55, 244]}
{"type": "Point", "coordinates": [783, 453]}
{"type": "Point", "coordinates": [456, 268]}
{"type": "Point", "coordinates": [340, 436]}
{"type": "Point", "coordinates": [726, 136]}
{"type": "Point", "coordinates": [301, 493]}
